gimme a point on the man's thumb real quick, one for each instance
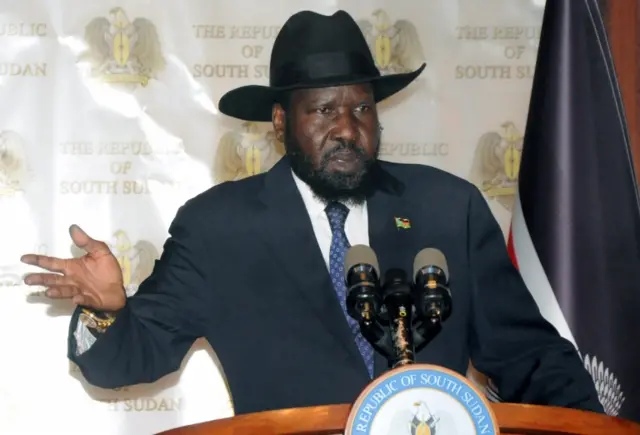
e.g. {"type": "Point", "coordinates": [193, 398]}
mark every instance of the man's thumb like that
{"type": "Point", "coordinates": [82, 239]}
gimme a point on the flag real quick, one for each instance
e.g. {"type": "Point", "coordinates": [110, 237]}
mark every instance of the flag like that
{"type": "Point", "coordinates": [403, 223]}
{"type": "Point", "coordinates": [575, 229]}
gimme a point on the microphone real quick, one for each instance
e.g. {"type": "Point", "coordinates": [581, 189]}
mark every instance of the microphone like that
{"type": "Point", "coordinates": [432, 297]}
{"type": "Point", "coordinates": [364, 303]}
{"type": "Point", "coordinates": [398, 302]}
{"type": "Point", "coordinates": [361, 274]}
{"type": "Point", "coordinates": [398, 315]}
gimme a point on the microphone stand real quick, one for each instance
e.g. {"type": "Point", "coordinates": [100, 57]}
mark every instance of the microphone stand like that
{"type": "Point", "coordinates": [403, 320]}
{"type": "Point", "coordinates": [399, 306]}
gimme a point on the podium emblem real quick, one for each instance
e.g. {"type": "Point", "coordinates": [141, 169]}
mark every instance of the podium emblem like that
{"type": "Point", "coordinates": [420, 399]}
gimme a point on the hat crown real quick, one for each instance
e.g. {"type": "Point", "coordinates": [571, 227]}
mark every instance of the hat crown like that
{"type": "Point", "coordinates": [311, 51]}
{"type": "Point", "coordinates": [310, 43]}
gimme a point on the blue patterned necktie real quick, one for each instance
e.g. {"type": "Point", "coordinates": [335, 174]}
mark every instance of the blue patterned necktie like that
{"type": "Point", "coordinates": [337, 214]}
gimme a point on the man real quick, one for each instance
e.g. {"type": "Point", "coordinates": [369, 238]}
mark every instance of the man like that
{"type": "Point", "coordinates": [255, 265]}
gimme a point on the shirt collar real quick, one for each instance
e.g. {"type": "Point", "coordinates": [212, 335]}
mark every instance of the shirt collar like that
{"type": "Point", "coordinates": [316, 207]}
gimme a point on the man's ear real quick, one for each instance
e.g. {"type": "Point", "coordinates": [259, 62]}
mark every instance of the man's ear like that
{"type": "Point", "coordinates": [278, 119]}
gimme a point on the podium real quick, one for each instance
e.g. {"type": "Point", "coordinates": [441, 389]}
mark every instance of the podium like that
{"type": "Point", "coordinates": [513, 419]}
{"type": "Point", "coordinates": [412, 398]}
{"type": "Point", "coordinates": [418, 399]}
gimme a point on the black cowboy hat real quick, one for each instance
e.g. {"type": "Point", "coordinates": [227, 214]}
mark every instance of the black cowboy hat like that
{"type": "Point", "coordinates": [314, 50]}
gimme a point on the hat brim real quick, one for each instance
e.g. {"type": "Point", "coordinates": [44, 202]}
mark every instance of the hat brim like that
{"type": "Point", "coordinates": [255, 102]}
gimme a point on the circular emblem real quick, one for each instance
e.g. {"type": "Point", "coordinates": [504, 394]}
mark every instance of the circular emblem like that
{"type": "Point", "coordinates": [421, 399]}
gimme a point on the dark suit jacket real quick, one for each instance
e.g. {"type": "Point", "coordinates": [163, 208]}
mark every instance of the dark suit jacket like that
{"type": "Point", "coordinates": [242, 268]}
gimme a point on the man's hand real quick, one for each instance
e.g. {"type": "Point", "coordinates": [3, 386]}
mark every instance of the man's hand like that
{"type": "Point", "coordinates": [94, 280]}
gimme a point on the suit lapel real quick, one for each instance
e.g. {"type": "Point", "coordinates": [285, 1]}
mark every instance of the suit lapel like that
{"type": "Point", "coordinates": [392, 245]}
{"type": "Point", "coordinates": [292, 242]}
{"type": "Point", "coordinates": [291, 239]}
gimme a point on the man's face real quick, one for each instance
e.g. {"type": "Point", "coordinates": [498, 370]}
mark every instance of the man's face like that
{"type": "Point", "coordinates": [332, 137]}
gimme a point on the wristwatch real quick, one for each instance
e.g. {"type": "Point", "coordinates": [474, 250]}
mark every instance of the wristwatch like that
{"type": "Point", "coordinates": [96, 322]}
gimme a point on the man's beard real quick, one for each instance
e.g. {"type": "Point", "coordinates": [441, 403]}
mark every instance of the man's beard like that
{"type": "Point", "coordinates": [328, 186]}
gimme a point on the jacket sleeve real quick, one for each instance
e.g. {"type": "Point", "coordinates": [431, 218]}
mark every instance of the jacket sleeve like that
{"type": "Point", "coordinates": [158, 325]}
{"type": "Point", "coordinates": [511, 342]}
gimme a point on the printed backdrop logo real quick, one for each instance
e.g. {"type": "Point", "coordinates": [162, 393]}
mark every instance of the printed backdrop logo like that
{"type": "Point", "coordinates": [123, 51]}
{"type": "Point", "coordinates": [421, 399]}
{"type": "Point", "coordinates": [395, 47]}
{"type": "Point", "coordinates": [13, 163]}
{"type": "Point", "coordinates": [11, 275]}
{"type": "Point", "coordinates": [241, 154]}
{"type": "Point", "coordinates": [136, 261]}
{"type": "Point", "coordinates": [496, 164]}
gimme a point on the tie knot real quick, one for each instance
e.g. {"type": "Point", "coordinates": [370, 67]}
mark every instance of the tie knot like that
{"type": "Point", "coordinates": [337, 214]}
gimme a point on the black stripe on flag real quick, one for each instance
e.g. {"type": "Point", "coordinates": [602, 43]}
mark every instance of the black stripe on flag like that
{"type": "Point", "coordinates": [576, 225]}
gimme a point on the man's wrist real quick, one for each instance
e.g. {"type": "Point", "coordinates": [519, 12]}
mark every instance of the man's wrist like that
{"type": "Point", "coordinates": [97, 321]}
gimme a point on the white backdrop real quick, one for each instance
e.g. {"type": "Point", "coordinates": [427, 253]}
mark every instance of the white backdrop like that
{"type": "Point", "coordinates": [116, 142]}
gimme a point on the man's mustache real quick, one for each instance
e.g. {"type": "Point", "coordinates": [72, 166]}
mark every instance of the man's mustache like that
{"type": "Point", "coordinates": [344, 146]}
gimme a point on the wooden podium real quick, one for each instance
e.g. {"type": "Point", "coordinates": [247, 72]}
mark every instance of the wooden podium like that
{"type": "Point", "coordinates": [329, 420]}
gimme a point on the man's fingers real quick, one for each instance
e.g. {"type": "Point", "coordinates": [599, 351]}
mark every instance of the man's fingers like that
{"type": "Point", "coordinates": [52, 264]}
{"type": "Point", "coordinates": [47, 279]}
{"type": "Point", "coordinates": [79, 299]}
{"type": "Point", "coordinates": [62, 292]}
{"type": "Point", "coordinates": [86, 300]}
{"type": "Point", "coordinates": [82, 240]}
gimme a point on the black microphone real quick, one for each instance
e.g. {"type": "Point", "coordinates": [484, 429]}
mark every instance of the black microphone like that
{"type": "Point", "coordinates": [364, 302]}
{"type": "Point", "coordinates": [432, 297]}
{"type": "Point", "coordinates": [398, 303]}
{"type": "Point", "coordinates": [362, 277]}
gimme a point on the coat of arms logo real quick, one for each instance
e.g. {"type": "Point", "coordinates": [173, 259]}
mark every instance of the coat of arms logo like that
{"type": "Point", "coordinates": [123, 51]}
{"type": "Point", "coordinates": [396, 47]}
{"type": "Point", "coordinates": [496, 164]}
{"type": "Point", "coordinates": [247, 152]}
{"type": "Point", "coordinates": [136, 260]}
{"type": "Point", "coordinates": [13, 163]}
{"type": "Point", "coordinates": [424, 422]}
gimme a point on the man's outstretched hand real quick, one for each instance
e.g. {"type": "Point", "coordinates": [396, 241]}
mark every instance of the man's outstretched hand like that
{"type": "Point", "coordinates": [93, 280]}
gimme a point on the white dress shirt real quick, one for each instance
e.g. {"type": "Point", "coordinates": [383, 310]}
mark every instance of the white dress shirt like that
{"type": "Point", "coordinates": [356, 229]}
{"type": "Point", "coordinates": [356, 226]}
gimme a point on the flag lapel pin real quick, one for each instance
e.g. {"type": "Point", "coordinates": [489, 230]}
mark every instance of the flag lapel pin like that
{"type": "Point", "coordinates": [402, 223]}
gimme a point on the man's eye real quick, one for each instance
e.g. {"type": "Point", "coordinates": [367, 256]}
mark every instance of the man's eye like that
{"type": "Point", "coordinates": [363, 108]}
{"type": "Point", "coordinates": [322, 110]}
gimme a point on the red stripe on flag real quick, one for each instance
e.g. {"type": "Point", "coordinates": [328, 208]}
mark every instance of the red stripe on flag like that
{"type": "Point", "coordinates": [511, 249]}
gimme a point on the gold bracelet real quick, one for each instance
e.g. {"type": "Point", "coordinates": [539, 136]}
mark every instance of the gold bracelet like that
{"type": "Point", "coordinates": [92, 321]}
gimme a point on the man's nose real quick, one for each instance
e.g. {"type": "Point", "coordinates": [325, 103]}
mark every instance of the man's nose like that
{"type": "Point", "coordinates": [346, 128]}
